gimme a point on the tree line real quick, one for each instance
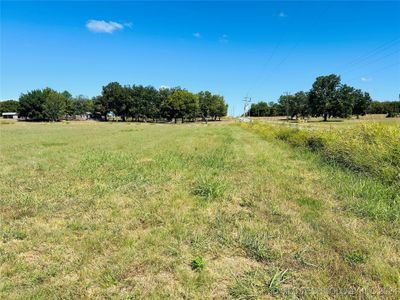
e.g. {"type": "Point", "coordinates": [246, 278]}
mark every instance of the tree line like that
{"type": "Point", "coordinates": [143, 103]}
{"type": "Point", "coordinates": [134, 103]}
{"type": "Point", "coordinates": [390, 108]}
{"type": "Point", "coordinates": [328, 97]}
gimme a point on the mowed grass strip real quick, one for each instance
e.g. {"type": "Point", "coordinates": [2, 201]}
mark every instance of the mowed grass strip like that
{"type": "Point", "coordinates": [103, 210]}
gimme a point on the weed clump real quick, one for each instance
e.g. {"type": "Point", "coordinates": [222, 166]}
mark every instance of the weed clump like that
{"type": "Point", "coordinates": [355, 257]}
{"type": "Point", "coordinates": [255, 244]}
{"type": "Point", "coordinates": [276, 282]}
{"type": "Point", "coordinates": [255, 284]}
{"type": "Point", "coordinates": [209, 188]}
{"type": "Point", "coordinates": [14, 235]}
{"type": "Point", "coordinates": [249, 285]}
{"type": "Point", "coordinates": [198, 263]}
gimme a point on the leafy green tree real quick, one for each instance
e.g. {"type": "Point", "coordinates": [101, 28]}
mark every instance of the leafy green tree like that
{"type": "Point", "coordinates": [391, 108]}
{"type": "Point", "coordinates": [31, 105]}
{"type": "Point", "coordinates": [144, 102]}
{"type": "Point", "coordinates": [117, 99]}
{"type": "Point", "coordinates": [46, 104]}
{"type": "Point", "coordinates": [287, 101]}
{"type": "Point", "coordinates": [295, 105]}
{"type": "Point", "coordinates": [376, 107]}
{"type": "Point", "coordinates": [323, 95]}
{"type": "Point", "coordinates": [69, 110]}
{"type": "Point", "coordinates": [135, 93]}
{"type": "Point", "coordinates": [191, 106]}
{"type": "Point", "coordinates": [221, 108]}
{"type": "Point", "coordinates": [276, 109]}
{"type": "Point", "coordinates": [211, 105]}
{"type": "Point", "coordinates": [260, 109]}
{"type": "Point", "coordinates": [54, 105]}
{"type": "Point", "coordinates": [342, 104]}
{"type": "Point", "coordinates": [152, 103]}
{"type": "Point", "coordinates": [165, 102]}
{"type": "Point", "coordinates": [81, 104]}
{"type": "Point", "coordinates": [101, 106]}
{"type": "Point", "coordinates": [180, 104]}
{"type": "Point", "coordinates": [301, 104]}
{"type": "Point", "coordinates": [206, 105]}
{"type": "Point", "coordinates": [362, 102]}
{"type": "Point", "coordinates": [9, 106]}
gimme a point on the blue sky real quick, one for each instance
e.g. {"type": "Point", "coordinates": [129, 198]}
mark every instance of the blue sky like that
{"type": "Point", "coordinates": [233, 48]}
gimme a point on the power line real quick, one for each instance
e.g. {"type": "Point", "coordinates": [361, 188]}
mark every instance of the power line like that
{"type": "Point", "coordinates": [380, 48]}
{"type": "Point", "coordinates": [378, 70]}
{"type": "Point", "coordinates": [259, 76]}
{"type": "Point", "coordinates": [371, 62]}
{"type": "Point", "coordinates": [315, 21]}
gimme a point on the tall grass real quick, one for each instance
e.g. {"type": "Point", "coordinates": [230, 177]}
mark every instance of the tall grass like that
{"type": "Point", "coordinates": [372, 149]}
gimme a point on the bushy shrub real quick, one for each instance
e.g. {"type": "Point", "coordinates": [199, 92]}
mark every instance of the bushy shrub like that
{"type": "Point", "coordinates": [314, 143]}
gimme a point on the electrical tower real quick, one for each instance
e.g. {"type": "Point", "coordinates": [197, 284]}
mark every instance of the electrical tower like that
{"type": "Point", "coordinates": [246, 100]}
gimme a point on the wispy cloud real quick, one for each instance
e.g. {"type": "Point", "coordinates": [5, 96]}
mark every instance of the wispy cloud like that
{"type": "Point", "coordinates": [366, 79]}
{"type": "Point", "coordinates": [282, 15]}
{"type": "Point", "coordinates": [224, 39]}
{"type": "Point", "coordinates": [128, 24]}
{"type": "Point", "coordinates": [105, 26]}
{"type": "Point", "coordinates": [197, 35]}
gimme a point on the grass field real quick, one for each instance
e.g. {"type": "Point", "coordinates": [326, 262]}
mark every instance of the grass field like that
{"type": "Point", "coordinates": [114, 210]}
{"type": "Point", "coordinates": [317, 123]}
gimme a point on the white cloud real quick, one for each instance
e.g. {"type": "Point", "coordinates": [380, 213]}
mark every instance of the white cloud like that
{"type": "Point", "coordinates": [104, 26]}
{"type": "Point", "coordinates": [224, 38]}
{"type": "Point", "coordinates": [282, 15]}
{"type": "Point", "coordinates": [366, 79]}
{"type": "Point", "coordinates": [162, 87]}
{"type": "Point", "coordinates": [197, 35]}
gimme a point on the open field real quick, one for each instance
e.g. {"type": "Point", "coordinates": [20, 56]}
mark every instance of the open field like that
{"type": "Point", "coordinates": [317, 123]}
{"type": "Point", "coordinates": [102, 210]}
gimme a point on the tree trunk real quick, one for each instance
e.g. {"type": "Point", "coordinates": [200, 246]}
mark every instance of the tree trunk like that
{"type": "Point", "coordinates": [325, 117]}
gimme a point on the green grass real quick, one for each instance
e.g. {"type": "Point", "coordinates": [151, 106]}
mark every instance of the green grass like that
{"type": "Point", "coordinates": [373, 149]}
{"type": "Point", "coordinates": [113, 210]}
{"type": "Point", "coordinates": [334, 123]}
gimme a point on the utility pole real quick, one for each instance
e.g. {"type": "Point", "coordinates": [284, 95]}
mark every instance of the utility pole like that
{"type": "Point", "coordinates": [246, 105]}
{"type": "Point", "coordinates": [287, 105]}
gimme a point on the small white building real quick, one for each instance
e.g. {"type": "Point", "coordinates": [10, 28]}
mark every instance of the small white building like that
{"type": "Point", "coordinates": [9, 115]}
